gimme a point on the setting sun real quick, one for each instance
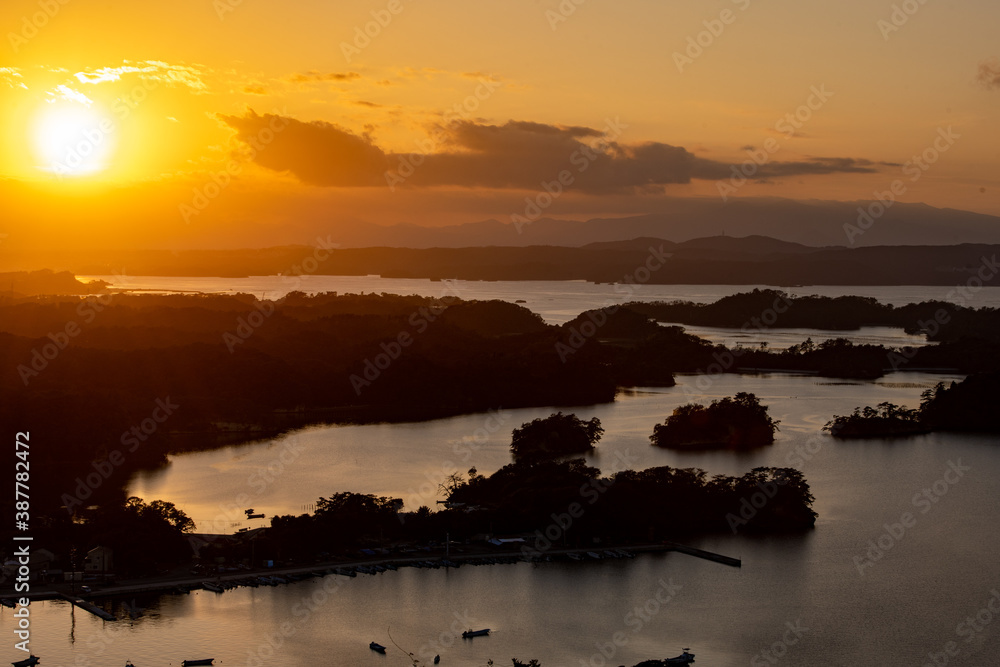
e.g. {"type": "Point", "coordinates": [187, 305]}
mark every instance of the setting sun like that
{"type": "Point", "coordinates": [73, 139]}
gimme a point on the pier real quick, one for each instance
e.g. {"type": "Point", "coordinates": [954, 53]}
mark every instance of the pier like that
{"type": "Point", "coordinates": [707, 555]}
{"type": "Point", "coordinates": [87, 606]}
{"type": "Point", "coordinates": [474, 556]}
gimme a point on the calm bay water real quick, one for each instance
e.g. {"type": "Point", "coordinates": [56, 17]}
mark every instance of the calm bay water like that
{"type": "Point", "coordinates": [556, 301]}
{"type": "Point", "coordinates": [908, 604]}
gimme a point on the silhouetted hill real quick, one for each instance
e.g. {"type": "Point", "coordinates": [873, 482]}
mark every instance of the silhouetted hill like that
{"type": "Point", "coordinates": [809, 222]}
{"type": "Point", "coordinates": [703, 261]}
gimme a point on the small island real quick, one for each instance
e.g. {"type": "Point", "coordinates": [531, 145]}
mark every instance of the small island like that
{"type": "Point", "coordinates": [883, 421]}
{"type": "Point", "coordinates": [961, 406]}
{"type": "Point", "coordinates": [556, 435]}
{"type": "Point", "coordinates": [740, 422]}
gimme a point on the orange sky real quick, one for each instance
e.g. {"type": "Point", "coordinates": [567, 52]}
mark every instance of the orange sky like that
{"type": "Point", "coordinates": [238, 122]}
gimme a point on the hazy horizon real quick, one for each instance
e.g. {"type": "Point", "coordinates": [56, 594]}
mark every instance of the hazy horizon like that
{"type": "Point", "coordinates": [268, 122]}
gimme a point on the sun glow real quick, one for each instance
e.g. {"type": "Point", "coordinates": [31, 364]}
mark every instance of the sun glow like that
{"type": "Point", "coordinates": [73, 139]}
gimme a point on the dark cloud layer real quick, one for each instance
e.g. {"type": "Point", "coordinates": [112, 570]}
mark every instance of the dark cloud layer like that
{"type": "Point", "coordinates": [517, 154]}
{"type": "Point", "coordinates": [314, 75]}
{"type": "Point", "coordinates": [317, 152]}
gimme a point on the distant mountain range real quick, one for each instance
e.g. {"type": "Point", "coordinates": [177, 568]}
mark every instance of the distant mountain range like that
{"type": "Point", "coordinates": [811, 223]}
{"type": "Point", "coordinates": [725, 260]}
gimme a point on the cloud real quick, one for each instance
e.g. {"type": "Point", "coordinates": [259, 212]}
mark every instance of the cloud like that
{"type": "Point", "coordinates": [316, 152]}
{"type": "Point", "coordinates": [67, 93]}
{"type": "Point", "coordinates": [151, 70]}
{"type": "Point", "coordinates": [989, 74]}
{"type": "Point", "coordinates": [517, 154]}
{"type": "Point", "coordinates": [12, 77]}
{"type": "Point", "coordinates": [314, 75]}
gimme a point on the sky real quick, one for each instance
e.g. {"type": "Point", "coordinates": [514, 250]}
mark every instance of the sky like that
{"type": "Point", "coordinates": [241, 123]}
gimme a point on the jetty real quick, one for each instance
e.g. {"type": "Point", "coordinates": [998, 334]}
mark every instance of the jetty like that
{"type": "Point", "coordinates": [87, 606]}
{"type": "Point", "coordinates": [707, 555]}
{"type": "Point", "coordinates": [372, 565]}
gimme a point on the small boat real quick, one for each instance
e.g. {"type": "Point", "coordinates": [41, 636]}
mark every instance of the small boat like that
{"type": "Point", "coordinates": [7, 602]}
{"type": "Point", "coordinates": [378, 648]}
{"type": "Point", "coordinates": [192, 663]}
{"type": "Point", "coordinates": [27, 662]}
{"type": "Point", "coordinates": [437, 659]}
{"type": "Point", "coordinates": [684, 658]}
{"type": "Point", "coordinates": [469, 634]}
{"type": "Point", "coordinates": [209, 586]}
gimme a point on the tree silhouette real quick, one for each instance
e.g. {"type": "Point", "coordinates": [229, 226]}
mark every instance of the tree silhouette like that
{"type": "Point", "coordinates": [554, 436]}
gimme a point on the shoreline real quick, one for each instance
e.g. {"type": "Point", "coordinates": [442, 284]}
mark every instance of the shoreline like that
{"type": "Point", "coordinates": [169, 584]}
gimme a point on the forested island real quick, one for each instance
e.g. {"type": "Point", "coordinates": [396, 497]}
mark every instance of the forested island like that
{"type": "Point", "coordinates": [547, 499]}
{"type": "Point", "coordinates": [968, 405]}
{"type": "Point", "coordinates": [740, 422]}
{"type": "Point", "coordinates": [110, 383]}
{"type": "Point", "coordinates": [552, 504]}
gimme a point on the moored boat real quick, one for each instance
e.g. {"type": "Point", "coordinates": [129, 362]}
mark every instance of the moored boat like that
{"type": "Point", "coordinates": [200, 661]}
{"type": "Point", "coordinates": [684, 658]}
{"type": "Point", "coordinates": [27, 662]}
{"type": "Point", "coordinates": [469, 634]}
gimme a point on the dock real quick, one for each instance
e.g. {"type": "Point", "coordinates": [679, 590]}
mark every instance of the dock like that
{"type": "Point", "coordinates": [87, 606]}
{"type": "Point", "coordinates": [707, 555]}
{"type": "Point", "coordinates": [509, 555]}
